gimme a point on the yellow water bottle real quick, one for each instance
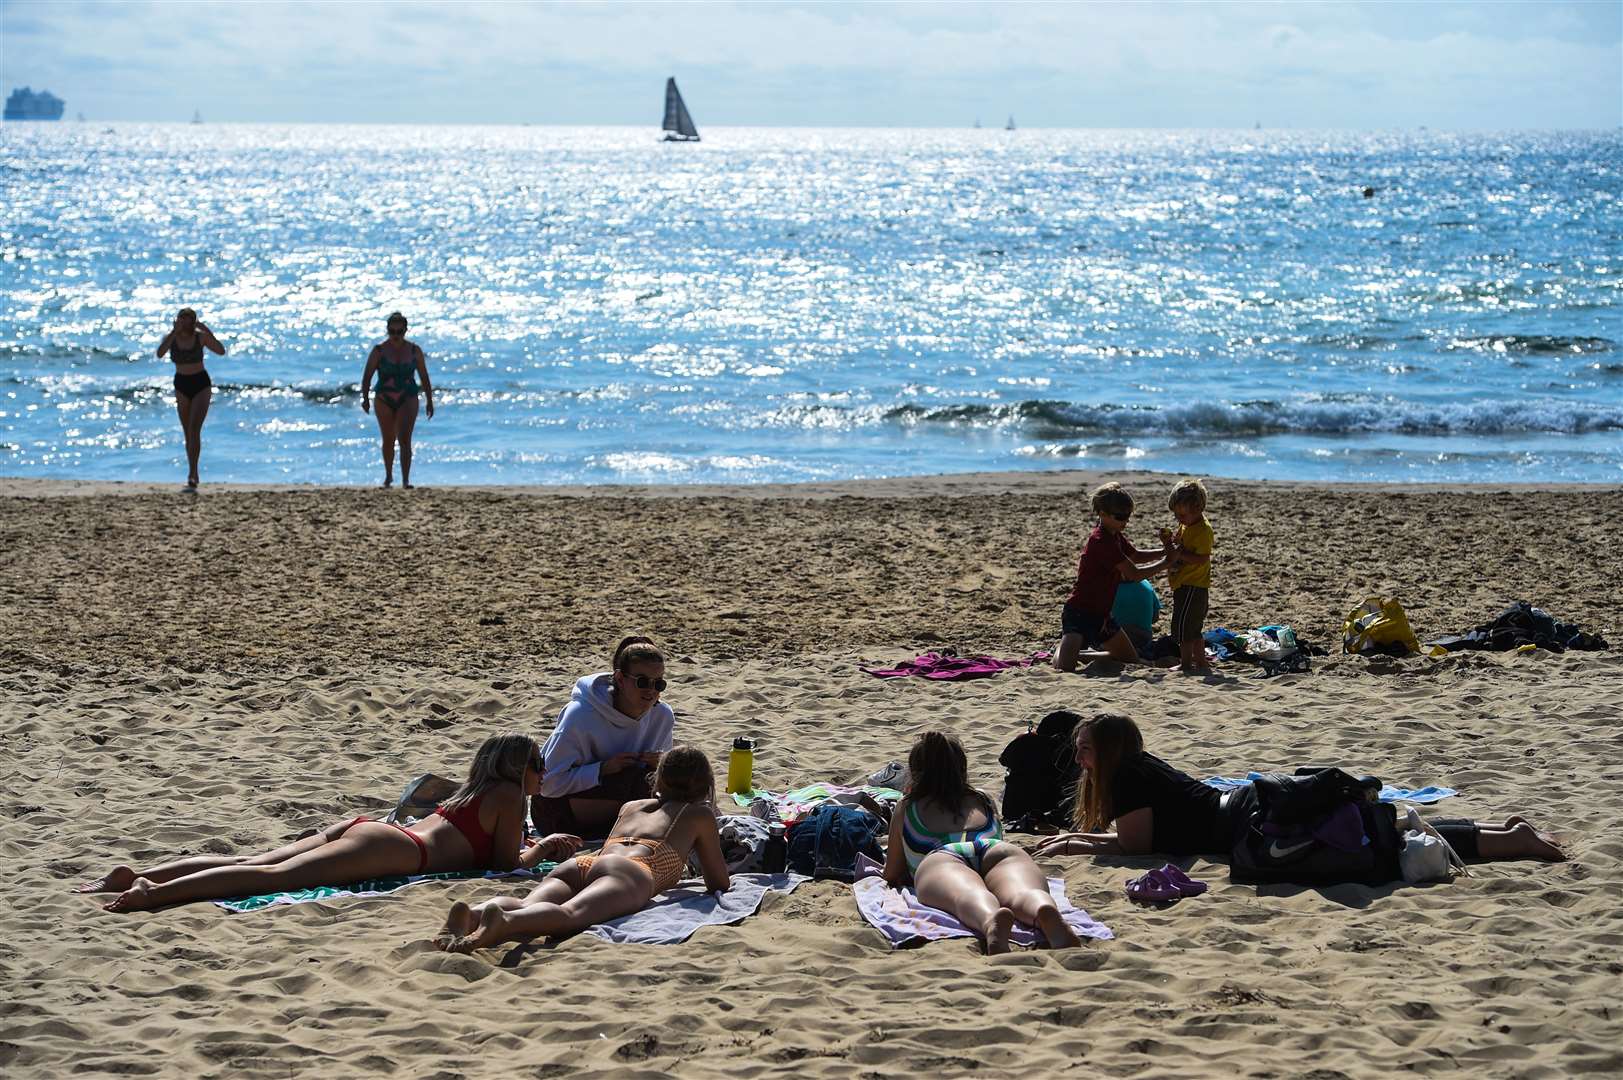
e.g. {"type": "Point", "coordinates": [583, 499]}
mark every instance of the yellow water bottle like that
{"type": "Point", "coordinates": [741, 766]}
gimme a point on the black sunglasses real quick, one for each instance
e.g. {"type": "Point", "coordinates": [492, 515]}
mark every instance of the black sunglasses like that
{"type": "Point", "coordinates": [643, 682]}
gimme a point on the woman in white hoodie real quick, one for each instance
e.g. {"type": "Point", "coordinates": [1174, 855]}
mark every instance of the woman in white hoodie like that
{"type": "Point", "coordinates": [607, 742]}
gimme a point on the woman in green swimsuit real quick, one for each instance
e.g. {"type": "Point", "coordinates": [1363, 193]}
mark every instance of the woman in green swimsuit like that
{"type": "Point", "coordinates": [397, 363]}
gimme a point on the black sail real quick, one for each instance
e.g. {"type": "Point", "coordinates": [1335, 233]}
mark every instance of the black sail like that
{"type": "Point", "coordinates": [676, 113]}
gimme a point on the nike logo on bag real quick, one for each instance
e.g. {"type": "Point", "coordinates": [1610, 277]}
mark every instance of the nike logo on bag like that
{"type": "Point", "coordinates": [1276, 850]}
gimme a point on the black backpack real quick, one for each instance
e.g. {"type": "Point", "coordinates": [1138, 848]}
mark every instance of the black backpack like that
{"type": "Point", "coordinates": [1040, 775]}
{"type": "Point", "coordinates": [1300, 800]}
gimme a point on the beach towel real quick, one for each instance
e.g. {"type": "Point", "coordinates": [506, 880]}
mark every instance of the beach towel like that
{"type": "Point", "coordinates": [1429, 794]}
{"type": "Point", "coordinates": [946, 666]}
{"type": "Point", "coordinates": [371, 887]}
{"type": "Point", "coordinates": [676, 914]}
{"type": "Point", "coordinates": [897, 913]}
{"type": "Point", "coordinates": [796, 804]}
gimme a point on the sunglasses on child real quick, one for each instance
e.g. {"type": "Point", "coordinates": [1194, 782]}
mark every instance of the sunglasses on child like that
{"type": "Point", "coordinates": [643, 682]}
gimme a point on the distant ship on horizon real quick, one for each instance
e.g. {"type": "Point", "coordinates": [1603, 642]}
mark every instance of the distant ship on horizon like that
{"type": "Point", "coordinates": [25, 104]}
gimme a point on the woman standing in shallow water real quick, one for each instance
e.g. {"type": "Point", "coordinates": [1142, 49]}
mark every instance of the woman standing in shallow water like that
{"type": "Point", "coordinates": [397, 363]}
{"type": "Point", "coordinates": [193, 388]}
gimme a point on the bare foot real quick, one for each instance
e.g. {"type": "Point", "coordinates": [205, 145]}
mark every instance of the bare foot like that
{"type": "Point", "coordinates": [1056, 930]}
{"type": "Point", "coordinates": [388, 481]}
{"type": "Point", "coordinates": [138, 897]}
{"type": "Point", "coordinates": [492, 930]}
{"type": "Point", "coordinates": [1537, 845]}
{"type": "Point", "coordinates": [117, 879]}
{"type": "Point", "coordinates": [998, 930]}
{"type": "Point", "coordinates": [405, 485]}
{"type": "Point", "coordinates": [459, 922]}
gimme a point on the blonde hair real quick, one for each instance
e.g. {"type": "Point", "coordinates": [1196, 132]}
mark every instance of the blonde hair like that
{"type": "Point", "coordinates": [1114, 738]}
{"type": "Point", "coordinates": [501, 759]}
{"type": "Point", "coordinates": [684, 773]}
{"type": "Point", "coordinates": [1187, 492]}
{"type": "Point", "coordinates": [1112, 499]}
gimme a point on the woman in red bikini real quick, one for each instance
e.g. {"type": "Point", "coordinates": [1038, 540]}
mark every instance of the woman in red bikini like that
{"type": "Point", "coordinates": [193, 387]}
{"type": "Point", "coordinates": [397, 364]}
{"type": "Point", "coordinates": [479, 827]}
{"type": "Point", "coordinates": [646, 854]}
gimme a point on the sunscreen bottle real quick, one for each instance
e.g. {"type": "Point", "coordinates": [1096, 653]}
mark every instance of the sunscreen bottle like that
{"type": "Point", "coordinates": [741, 766]}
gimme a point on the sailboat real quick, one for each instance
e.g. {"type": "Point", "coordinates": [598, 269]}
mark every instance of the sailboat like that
{"type": "Point", "coordinates": [678, 124]}
{"type": "Point", "coordinates": [197, 117]}
{"type": "Point", "coordinates": [1010, 125]}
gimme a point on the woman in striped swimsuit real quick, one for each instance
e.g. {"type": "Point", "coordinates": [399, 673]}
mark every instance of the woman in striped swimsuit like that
{"type": "Point", "coordinates": [945, 836]}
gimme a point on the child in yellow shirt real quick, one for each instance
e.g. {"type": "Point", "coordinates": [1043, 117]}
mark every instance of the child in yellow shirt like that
{"type": "Point", "coordinates": [1190, 574]}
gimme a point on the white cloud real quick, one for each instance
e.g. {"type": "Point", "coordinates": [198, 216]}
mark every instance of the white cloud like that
{"type": "Point", "coordinates": [1376, 65]}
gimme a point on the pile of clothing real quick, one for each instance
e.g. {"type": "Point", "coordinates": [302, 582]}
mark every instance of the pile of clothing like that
{"type": "Point", "coordinates": [828, 825]}
{"type": "Point", "coordinates": [1523, 624]}
{"type": "Point", "coordinates": [1274, 648]}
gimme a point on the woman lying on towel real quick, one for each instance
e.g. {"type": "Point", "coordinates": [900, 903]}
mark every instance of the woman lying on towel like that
{"type": "Point", "coordinates": [481, 826]}
{"type": "Point", "coordinates": [1157, 808]}
{"type": "Point", "coordinates": [646, 853]}
{"type": "Point", "coordinates": [945, 836]}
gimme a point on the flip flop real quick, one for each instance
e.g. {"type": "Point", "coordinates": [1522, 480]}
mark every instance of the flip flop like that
{"type": "Point", "coordinates": [1186, 885]}
{"type": "Point", "coordinates": [1153, 888]}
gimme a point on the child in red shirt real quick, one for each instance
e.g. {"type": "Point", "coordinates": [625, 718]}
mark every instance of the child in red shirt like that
{"type": "Point", "coordinates": [1108, 559]}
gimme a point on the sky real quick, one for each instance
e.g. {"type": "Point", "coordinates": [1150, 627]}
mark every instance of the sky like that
{"type": "Point", "coordinates": [1335, 64]}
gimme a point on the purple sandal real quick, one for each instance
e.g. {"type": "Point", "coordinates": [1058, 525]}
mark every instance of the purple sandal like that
{"type": "Point", "coordinates": [1186, 885]}
{"type": "Point", "coordinates": [1153, 888]}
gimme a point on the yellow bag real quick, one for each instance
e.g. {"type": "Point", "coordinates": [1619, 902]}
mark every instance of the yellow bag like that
{"type": "Point", "coordinates": [1377, 623]}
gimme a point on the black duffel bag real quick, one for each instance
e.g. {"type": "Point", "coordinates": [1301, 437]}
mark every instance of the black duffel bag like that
{"type": "Point", "coordinates": [1299, 801]}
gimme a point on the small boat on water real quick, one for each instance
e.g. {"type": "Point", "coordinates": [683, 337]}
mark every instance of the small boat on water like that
{"type": "Point", "coordinates": [197, 116]}
{"type": "Point", "coordinates": [678, 124]}
{"type": "Point", "coordinates": [1010, 125]}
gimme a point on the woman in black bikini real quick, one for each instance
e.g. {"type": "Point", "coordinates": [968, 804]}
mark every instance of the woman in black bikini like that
{"type": "Point", "coordinates": [1157, 808]}
{"type": "Point", "coordinates": [193, 387]}
{"type": "Point", "coordinates": [398, 363]}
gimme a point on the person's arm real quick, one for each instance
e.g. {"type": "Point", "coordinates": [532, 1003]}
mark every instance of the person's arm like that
{"type": "Point", "coordinates": [1132, 571]}
{"type": "Point", "coordinates": [1192, 558]}
{"type": "Point", "coordinates": [422, 373]}
{"type": "Point", "coordinates": [508, 836]}
{"type": "Point", "coordinates": [210, 342]}
{"type": "Point", "coordinates": [895, 871]}
{"type": "Point", "coordinates": [163, 346]}
{"type": "Point", "coordinates": [366, 379]}
{"type": "Point", "coordinates": [1078, 843]}
{"type": "Point", "coordinates": [554, 848]}
{"type": "Point", "coordinates": [707, 841]}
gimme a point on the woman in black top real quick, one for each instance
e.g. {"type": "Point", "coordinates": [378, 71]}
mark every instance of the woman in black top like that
{"type": "Point", "coordinates": [193, 387]}
{"type": "Point", "coordinates": [1158, 808]}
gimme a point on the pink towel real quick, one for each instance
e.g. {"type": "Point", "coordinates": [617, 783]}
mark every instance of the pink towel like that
{"type": "Point", "coordinates": [934, 665]}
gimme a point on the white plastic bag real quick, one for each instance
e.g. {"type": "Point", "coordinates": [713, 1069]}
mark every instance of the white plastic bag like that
{"type": "Point", "coordinates": [1426, 856]}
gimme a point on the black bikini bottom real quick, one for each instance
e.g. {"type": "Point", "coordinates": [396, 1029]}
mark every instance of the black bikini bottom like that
{"type": "Point", "coordinates": [192, 385]}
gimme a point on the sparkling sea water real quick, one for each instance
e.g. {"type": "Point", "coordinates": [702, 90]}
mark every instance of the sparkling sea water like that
{"type": "Point", "coordinates": [792, 304]}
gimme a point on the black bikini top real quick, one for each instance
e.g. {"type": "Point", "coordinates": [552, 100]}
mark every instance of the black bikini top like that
{"type": "Point", "coordinates": [192, 354]}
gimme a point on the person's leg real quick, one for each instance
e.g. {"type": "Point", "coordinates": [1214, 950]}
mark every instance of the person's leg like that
{"type": "Point", "coordinates": [1017, 883]}
{"type": "Point", "coordinates": [945, 882]}
{"type": "Point", "coordinates": [1065, 653]}
{"type": "Point", "coordinates": [1519, 841]}
{"type": "Point", "coordinates": [405, 421]}
{"type": "Point", "coordinates": [387, 431]}
{"type": "Point", "coordinates": [122, 877]}
{"type": "Point", "coordinates": [616, 886]}
{"type": "Point", "coordinates": [193, 425]}
{"type": "Point", "coordinates": [370, 849]}
{"type": "Point", "coordinates": [564, 881]}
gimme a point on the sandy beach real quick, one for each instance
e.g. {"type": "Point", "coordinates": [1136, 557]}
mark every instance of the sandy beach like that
{"type": "Point", "coordinates": [222, 672]}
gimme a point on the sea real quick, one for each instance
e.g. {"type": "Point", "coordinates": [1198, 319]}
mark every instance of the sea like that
{"type": "Point", "coordinates": [778, 305]}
